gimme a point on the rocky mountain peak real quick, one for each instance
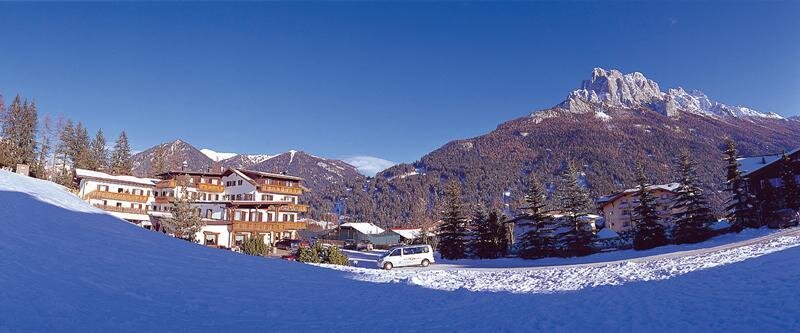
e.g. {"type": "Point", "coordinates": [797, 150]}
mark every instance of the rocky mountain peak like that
{"type": "Point", "coordinates": [612, 88]}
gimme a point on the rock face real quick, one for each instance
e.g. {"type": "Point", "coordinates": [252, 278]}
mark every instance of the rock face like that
{"type": "Point", "coordinates": [612, 89]}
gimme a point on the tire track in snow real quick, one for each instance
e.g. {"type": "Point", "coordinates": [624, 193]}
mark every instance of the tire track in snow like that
{"type": "Point", "coordinates": [550, 279]}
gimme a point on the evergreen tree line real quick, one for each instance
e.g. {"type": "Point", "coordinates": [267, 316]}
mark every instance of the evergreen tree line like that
{"type": "Point", "coordinates": [551, 233]}
{"type": "Point", "coordinates": [53, 149]}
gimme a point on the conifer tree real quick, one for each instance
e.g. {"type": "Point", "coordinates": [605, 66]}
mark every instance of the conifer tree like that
{"type": "Point", "coordinates": [453, 230]}
{"type": "Point", "coordinates": [185, 221]}
{"type": "Point", "coordinates": [5, 154]}
{"type": "Point", "coordinates": [648, 232]}
{"type": "Point", "coordinates": [255, 246]}
{"type": "Point", "coordinates": [574, 234]}
{"type": "Point", "coordinates": [80, 148]}
{"type": "Point", "coordinates": [740, 205]}
{"type": "Point", "coordinates": [770, 198]}
{"type": "Point", "coordinates": [791, 190]}
{"type": "Point", "coordinates": [98, 152]}
{"type": "Point", "coordinates": [539, 239]}
{"type": "Point", "coordinates": [19, 133]}
{"type": "Point", "coordinates": [479, 244]}
{"type": "Point", "coordinates": [692, 215]}
{"type": "Point", "coordinates": [63, 151]}
{"type": "Point", "coordinates": [121, 163]}
{"type": "Point", "coordinates": [498, 234]}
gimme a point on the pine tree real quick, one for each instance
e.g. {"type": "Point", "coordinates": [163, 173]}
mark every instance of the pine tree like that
{"type": "Point", "coordinates": [98, 152]}
{"type": "Point", "coordinates": [335, 257]}
{"type": "Point", "coordinates": [66, 137]}
{"type": "Point", "coordinates": [740, 205]}
{"type": "Point", "coordinates": [692, 216]}
{"type": "Point", "coordinates": [310, 254]}
{"type": "Point", "coordinates": [770, 198]}
{"type": "Point", "coordinates": [791, 190]}
{"type": "Point", "coordinates": [121, 163]}
{"type": "Point", "coordinates": [648, 232]}
{"type": "Point", "coordinates": [19, 133]}
{"type": "Point", "coordinates": [479, 244]}
{"type": "Point", "coordinates": [80, 148]}
{"type": "Point", "coordinates": [452, 231]}
{"type": "Point", "coordinates": [5, 154]}
{"type": "Point", "coordinates": [574, 234]}
{"type": "Point", "coordinates": [185, 221]}
{"type": "Point", "coordinates": [498, 234]}
{"type": "Point", "coordinates": [539, 239]}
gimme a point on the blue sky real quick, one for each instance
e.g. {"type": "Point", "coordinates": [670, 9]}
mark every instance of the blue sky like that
{"type": "Point", "coordinates": [389, 80]}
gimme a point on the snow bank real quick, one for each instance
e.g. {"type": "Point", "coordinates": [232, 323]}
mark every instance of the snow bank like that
{"type": "Point", "coordinates": [67, 267]}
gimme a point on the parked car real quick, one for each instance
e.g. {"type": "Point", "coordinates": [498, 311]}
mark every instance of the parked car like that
{"type": "Point", "coordinates": [784, 218]}
{"type": "Point", "coordinates": [412, 255]}
{"type": "Point", "coordinates": [292, 244]}
{"type": "Point", "coordinates": [290, 257]}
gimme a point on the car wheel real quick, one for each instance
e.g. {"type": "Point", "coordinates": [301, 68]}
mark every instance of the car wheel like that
{"type": "Point", "coordinates": [425, 262]}
{"type": "Point", "coordinates": [387, 266]}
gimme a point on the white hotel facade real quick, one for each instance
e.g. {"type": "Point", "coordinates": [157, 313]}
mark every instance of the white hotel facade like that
{"type": "Point", "coordinates": [234, 204]}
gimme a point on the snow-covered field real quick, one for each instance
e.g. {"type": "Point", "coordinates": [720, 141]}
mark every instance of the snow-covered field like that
{"type": "Point", "coordinates": [65, 266]}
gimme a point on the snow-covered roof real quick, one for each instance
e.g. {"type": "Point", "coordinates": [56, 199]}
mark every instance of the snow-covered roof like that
{"type": "Point", "coordinates": [606, 233]}
{"type": "Point", "coordinates": [364, 228]}
{"type": "Point", "coordinates": [408, 233]}
{"type": "Point", "coordinates": [748, 165]}
{"type": "Point", "coordinates": [671, 187]}
{"type": "Point", "coordinates": [83, 173]}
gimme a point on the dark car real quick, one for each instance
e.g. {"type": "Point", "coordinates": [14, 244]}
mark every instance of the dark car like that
{"type": "Point", "coordinates": [784, 218]}
{"type": "Point", "coordinates": [292, 244]}
{"type": "Point", "coordinates": [290, 257]}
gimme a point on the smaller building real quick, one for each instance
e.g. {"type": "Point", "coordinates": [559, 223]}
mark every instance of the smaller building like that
{"type": "Point", "coordinates": [617, 208]}
{"type": "Point", "coordinates": [127, 197]}
{"type": "Point", "coordinates": [763, 174]}
{"type": "Point", "coordinates": [364, 232]}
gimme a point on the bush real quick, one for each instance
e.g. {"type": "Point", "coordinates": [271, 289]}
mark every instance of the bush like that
{"type": "Point", "coordinates": [319, 255]}
{"type": "Point", "coordinates": [336, 257]}
{"type": "Point", "coordinates": [309, 255]}
{"type": "Point", "coordinates": [255, 246]}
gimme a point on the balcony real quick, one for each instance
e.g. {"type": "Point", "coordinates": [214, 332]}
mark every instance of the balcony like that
{"type": "Point", "coordinates": [163, 200]}
{"type": "Point", "coordinates": [205, 187]}
{"type": "Point", "coordinates": [294, 208]}
{"type": "Point", "coordinates": [116, 196]}
{"type": "Point", "coordinates": [278, 189]}
{"type": "Point", "coordinates": [116, 209]}
{"type": "Point", "coordinates": [239, 226]}
{"type": "Point", "coordinates": [167, 184]}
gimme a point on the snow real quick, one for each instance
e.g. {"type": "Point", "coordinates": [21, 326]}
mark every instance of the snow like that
{"type": "Point", "coordinates": [217, 156]}
{"type": "Point", "coordinates": [750, 164]}
{"type": "Point", "coordinates": [68, 267]}
{"type": "Point", "coordinates": [83, 173]}
{"type": "Point", "coordinates": [368, 165]}
{"type": "Point", "coordinates": [606, 233]}
{"type": "Point", "coordinates": [408, 233]}
{"type": "Point", "coordinates": [602, 116]}
{"type": "Point", "coordinates": [364, 228]}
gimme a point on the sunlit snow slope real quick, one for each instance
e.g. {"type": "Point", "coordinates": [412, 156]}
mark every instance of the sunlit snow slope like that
{"type": "Point", "coordinates": [65, 266]}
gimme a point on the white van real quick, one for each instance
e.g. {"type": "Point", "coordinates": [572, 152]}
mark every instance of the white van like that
{"type": "Point", "coordinates": [411, 255]}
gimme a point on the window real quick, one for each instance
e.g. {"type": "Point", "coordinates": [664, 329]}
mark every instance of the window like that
{"type": "Point", "coordinates": [119, 204]}
{"type": "Point", "coordinates": [119, 190]}
{"type": "Point", "coordinates": [238, 239]}
{"type": "Point", "coordinates": [395, 253]}
{"type": "Point", "coordinates": [240, 182]}
{"type": "Point", "coordinates": [211, 239]}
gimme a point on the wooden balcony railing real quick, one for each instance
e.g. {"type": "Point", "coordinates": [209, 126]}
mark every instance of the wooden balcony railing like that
{"type": "Point", "coordinates": [121, 209]}
{"type": "Point", "coordinates": [239, 226]}
{"type": "Point", "coordinates": [163, 200]}
{"type": "Point", "coordinates": [278, 189]}
{"type": "Point", "coordinates": [294, 208]}
{"type": "Point", "coordinates": [205, 187]}
{"type": "Point", "coordinates": [167, 184]}
{"type": "Point", "coordinates": [117, 196]}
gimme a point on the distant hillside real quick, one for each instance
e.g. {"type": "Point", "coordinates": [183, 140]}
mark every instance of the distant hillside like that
{"type": "Point", "coordinates": [606, 126]}
{"type": "Point", "coordinates": [176, 154]}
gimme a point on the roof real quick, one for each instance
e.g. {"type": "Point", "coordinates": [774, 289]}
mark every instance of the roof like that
{"type": "Point", "coordinates": [187, 172]}
{"type": "Point", "coordinates": [748, 165]}
{"type": "Point", "coordinates": [83, 173]}
{"type": "Point", "coordinates": [671, 187]}
{"type": "Point", "coordinates": [364, 228]}
{"type": "Point", "coordinates": [606, 233]}
{"type": "Point", "coordinates": [250, 174]}
{"type": "Point", "coordinates": [408, 233]}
